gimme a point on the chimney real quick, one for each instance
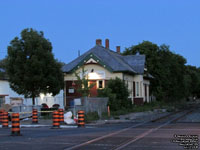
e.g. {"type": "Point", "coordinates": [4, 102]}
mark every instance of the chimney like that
{"type": "Point", "coordinates": [98, 42]}
{"type": "Point", "coordinates": [107, 43]}
{"type": "Point", "coordinates": [118, 49]}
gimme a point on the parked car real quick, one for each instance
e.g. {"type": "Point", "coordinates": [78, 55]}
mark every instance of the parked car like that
{"type": "Point", "coordinates": [56, 106]}
{"type": "Point", "coordinates": [44, 105]}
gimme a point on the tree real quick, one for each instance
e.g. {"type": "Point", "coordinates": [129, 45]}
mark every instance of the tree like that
{"type": "Point", "coordinates": [167, 68]}
{"type": "Point", "coordinates": [31, 66]}
{"type": "Point", "coordinates": [117, 91]}
{"type": "Point", "coordinates": [3, 69]}
{"type": "Point", "coordinates": [192, 74]}
{"type": "Point", "coordinates": [3, 63]}
{"type": "Point", "coordinates": [82, 82]}
{"type": "Point", "coordinates": [152, 61]}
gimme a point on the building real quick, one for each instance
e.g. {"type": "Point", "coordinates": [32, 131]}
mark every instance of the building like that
{"type": "Point", "coordinates": [103, 64]}
{"type": "Point", "coordinates": [8, 96]}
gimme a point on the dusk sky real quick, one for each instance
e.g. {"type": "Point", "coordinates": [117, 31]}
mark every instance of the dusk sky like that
{"type": "Point", "coordinates": [73, 25]}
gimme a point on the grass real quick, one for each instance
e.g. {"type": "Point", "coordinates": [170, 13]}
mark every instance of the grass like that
{"type": "Point", "coordinates": [150, 107]}
{"type": "Point", "coordinates": [92, 116]}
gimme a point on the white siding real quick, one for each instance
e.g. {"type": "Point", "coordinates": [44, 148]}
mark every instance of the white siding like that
{"type": "Point", "coordinates": [96, 68]}
{"type": "Point", "coordinates": [48, 99]}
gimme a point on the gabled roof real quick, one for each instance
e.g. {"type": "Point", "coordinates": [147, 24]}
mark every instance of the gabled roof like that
{"type": "Point", "coordinates": [110, 60]}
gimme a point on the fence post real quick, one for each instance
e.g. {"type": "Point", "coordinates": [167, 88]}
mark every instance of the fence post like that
{"type": "Point", "coordinates": [108, 111]}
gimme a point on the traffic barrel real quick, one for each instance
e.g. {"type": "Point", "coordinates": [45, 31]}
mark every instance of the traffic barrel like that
{"type": "Point", "coordinates": [15, 131]}
{"type": "Point", "coordinates": [34, 116]}
{"type": "Point", "coordinates": [5, 120]}
{"type": "Point", "coordinates": [61, 116]}
{"type": "Point", "coordinates": [56, 120]}
{"type": "Point", "coordinates": [81, 118]}
{"type": "Point", "coordinates": [1, 115]}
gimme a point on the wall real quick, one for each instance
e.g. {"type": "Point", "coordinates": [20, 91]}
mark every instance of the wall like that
{"type": "Point", "coordinates": [48, 99]}
{"type": "Point", "coordinates": [69, 78]}
{"type": "Point", "coordinates": [147, 83]}
{"type": "Point", "coordinates": [95, 67]}
{"type": "Point", "coordinates": [129, 79]}
{"type": "Point", "coordinates": [6, 90]}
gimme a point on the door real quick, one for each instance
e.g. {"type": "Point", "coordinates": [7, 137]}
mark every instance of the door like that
{"type": "Point", "coordinates": [93, 90]}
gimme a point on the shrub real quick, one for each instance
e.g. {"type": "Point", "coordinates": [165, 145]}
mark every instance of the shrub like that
{"type": "Point", "coordinates": [91, 116]}
{"type": "Point", "coordinates": [117, 92]}
{"type": "Point", "coordinates": [104, 115]}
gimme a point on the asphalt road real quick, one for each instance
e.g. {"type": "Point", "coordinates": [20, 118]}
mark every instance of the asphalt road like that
{"type": "Point", "coordinates": [144, 137]}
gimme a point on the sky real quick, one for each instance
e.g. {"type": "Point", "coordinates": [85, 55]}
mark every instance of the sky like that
{"type": "Point", "coordinates": [73, 25]}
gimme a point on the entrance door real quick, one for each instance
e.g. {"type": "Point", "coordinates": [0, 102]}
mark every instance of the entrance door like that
{"type": "Point", "coordinates": [93, 90]}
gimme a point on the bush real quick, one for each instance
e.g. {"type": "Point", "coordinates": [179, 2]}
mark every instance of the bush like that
{"type": "Point", "coordinates": [104, 115]}
{"type": "Point", "coordinates": [91, 116]}
{"type": "Point", "coordinates": [117, 92]}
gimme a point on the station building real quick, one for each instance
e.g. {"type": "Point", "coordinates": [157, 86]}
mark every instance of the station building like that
{"type": "Point", "coordinates": [102, 64]}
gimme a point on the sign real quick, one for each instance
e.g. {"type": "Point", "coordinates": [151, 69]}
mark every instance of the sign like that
{"type": "Point", "coordinates": [101, 74]}
{"type": "Point", "coordinates": [16, 101]}
{"type": "Point", "coordinates": [70, 90]}
{"type": "Point", "coordinates": [97, 74]}
{"type": "Point", "coordinates": [77, 101]}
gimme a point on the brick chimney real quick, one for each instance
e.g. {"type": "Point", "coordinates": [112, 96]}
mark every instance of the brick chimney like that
{"type": "Point", "coordinates": [118, 49]}
{"type": "Point", "coordinates": [107, 43]}
{"type": "Point", "coordinates": [98, 42]}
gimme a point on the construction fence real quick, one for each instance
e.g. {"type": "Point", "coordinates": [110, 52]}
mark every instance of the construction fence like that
{"type": "Point", "coordinates": [89, 104]}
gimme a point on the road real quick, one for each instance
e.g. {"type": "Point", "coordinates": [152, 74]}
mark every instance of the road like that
{"type": "Point", "coordinates": [126, 136]}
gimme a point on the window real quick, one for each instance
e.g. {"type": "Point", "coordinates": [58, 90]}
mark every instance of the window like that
{"type": "Point", "coordinates": [137, 88]}
{"type": "Point", "coordinates": [100, 84]}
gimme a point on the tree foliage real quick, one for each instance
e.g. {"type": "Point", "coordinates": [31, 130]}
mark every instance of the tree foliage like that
{"type": "Point", "coordinates": [172, 79]}
{"type": "Point", "coordinates": [83, 83]}
{"type": "Point", "coordinates": [3, 74]}
{"type": "Point", "coordinates": [192, 81]}
{"type": "Point", "coordinates": [31, 66]}
{"type": "Point", "coordinates": [117, 91]}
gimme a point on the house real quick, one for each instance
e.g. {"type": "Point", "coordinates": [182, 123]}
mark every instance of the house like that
{"type": "Point", "coordinates": [8, 96]}
{"type": "Point", "coordinates": [103, 64]}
